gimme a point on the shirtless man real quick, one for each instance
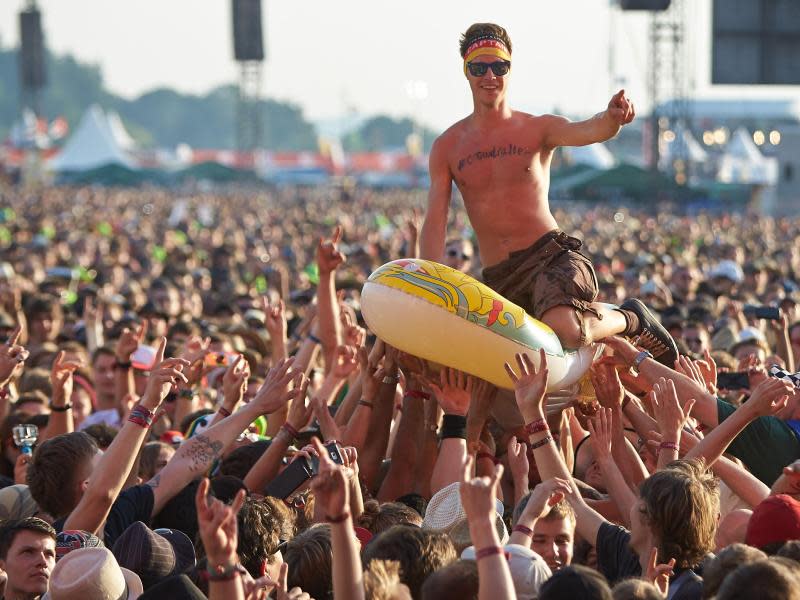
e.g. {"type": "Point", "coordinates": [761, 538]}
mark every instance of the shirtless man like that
{"type": "Point", "coordinates": [500, 160]}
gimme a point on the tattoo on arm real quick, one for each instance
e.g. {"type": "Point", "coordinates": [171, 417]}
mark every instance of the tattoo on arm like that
{"type": "Point", "coordinates": [201, 452]}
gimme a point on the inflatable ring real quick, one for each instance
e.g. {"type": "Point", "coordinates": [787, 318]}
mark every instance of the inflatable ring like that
{"type": "Point", "coordinates": [445, 316]}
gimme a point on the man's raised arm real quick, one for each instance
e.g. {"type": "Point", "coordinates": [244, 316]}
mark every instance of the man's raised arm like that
{"type": "Point", "coordinates": [434, 229]}
{"type": "Point", "coordinates": [559, 131]}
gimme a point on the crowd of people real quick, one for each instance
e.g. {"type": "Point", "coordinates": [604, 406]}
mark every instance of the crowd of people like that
{"type": "Point", "coordinates": [193, 407]}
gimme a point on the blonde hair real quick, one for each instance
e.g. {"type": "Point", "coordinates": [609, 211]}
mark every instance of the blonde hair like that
{"type": "Point", "coordinates": [381, 579]}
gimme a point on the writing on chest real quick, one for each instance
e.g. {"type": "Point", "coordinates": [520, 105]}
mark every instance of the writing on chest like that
{"type": "Point", "coordinates": [466, 158]}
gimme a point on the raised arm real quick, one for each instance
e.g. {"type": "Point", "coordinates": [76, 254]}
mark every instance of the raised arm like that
{"type": "Point", "coordinates": [329, 324]}
{"type": "Point", "coordinates": [111, 473]}
{"type": "Point", "coordinates": [453, 394]}
{"type": "Point", "coordinates": [434, 228]}
{"type": "Point", "coordinates": [61, 420]}
{"type": "Point", "coordinates": [601, 430]}
{"type": "Point", "coordinates": [197, 454]}
{"type": "Point", "coordinates": [560, 131]}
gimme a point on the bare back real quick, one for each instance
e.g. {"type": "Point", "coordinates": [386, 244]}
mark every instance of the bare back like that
{"type": "Point", "coordinates": [503, 174]}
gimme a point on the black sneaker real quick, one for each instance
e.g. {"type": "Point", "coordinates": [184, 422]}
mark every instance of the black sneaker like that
{"type": "Point", "coordinates": [651, 335]}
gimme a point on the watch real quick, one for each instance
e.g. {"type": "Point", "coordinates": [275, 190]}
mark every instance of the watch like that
{"type": "Point", "coordinates": [639, 359]}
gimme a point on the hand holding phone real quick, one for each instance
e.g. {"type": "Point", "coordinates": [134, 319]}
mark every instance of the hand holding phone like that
{"type": "Point", "coordinates": [769, 313]}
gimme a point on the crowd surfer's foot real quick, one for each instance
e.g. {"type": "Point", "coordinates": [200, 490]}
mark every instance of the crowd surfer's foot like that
{"type": "Point", "coordinates": [651, 335]}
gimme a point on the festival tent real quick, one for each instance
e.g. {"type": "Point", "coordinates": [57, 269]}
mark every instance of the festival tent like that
{"type": "Point", "coordinates": [595, 156]}
{"type": "Point", "coordinates": [683, 146]}
{"type": "Point", "coordinates": [743, 162]}
{"type": "Point", "coordinates": [91, 145]}
{"type": "Point", "coordinates": [121, 135]}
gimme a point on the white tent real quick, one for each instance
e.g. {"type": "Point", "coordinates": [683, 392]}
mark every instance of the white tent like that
{"type": "Point", "coordinates": [683, 147]}
{"type": "Point", "coordinates": [119, 132]}
{"type": "Point", "coordinates": [596, 156]}
{"type": "Point", "coordinates": [744, 163]}
{"type": "Point", "coordinates": [92, 145]}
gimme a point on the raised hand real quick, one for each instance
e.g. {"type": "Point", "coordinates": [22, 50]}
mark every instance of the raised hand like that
{"type": "Point", "coordinates": [601, 433]}
{"type": "Point", "coordinates": [478, 494]}
{"type": "Point", "coordinates": [217, 524]}
{"type": "Point", "coordinates": [518, 460]}
{"type": "Point", "coordinates": [671, 418]}
{"type": "Point", "coordinates": [234, 382]}
{"type": "Point", "coordinates": [328, 256]}
{"type": "Point", "coordinates": [129, 341]}
{"type": "Point", "coordinates": [708, 370]}
{"type": "Point", "coordinates": [164, 377]}
{"type": "Point", "coordinates": [769, 397]}
{"type": "Point", "coordinates": [61, 379]}
{"type": "Point", "coordinates": [275, 319]}
{"type": "Point", "coordinates": [454, 391]}
{"type": "Point", "coordinates": [620, 109]}
{"type": "Point", "coordinates": [299, 413]}
{"type": "Point", "coordinates": [195, 351]}
{"type": "Point", "coordinates": [659, 574]}
{"type": "Point", "coordinates": [607, 386]}
{"type": "Point", "coordinates": [345, 362]}
{"type": "Point", "coordinates": [371, 375]}
{"type": "Point", "coordinates": [546, 495]}
{"type": "Point", "coordinates": [12, 357]}
{"type": "Point", "coordinates": [274, 393]}
{"type": "Point", "coordinates": [330, 486]}
{"type": "Point", "coordinates": [530, 385]}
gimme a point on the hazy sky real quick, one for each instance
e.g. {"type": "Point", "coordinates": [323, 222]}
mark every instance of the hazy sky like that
{"type": "Point", "coordinates": [333, 55]}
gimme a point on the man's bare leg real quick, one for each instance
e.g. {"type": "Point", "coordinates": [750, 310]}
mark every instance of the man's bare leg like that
{"type": "Point", "coordinates": [576, 329]}
{"type": "Point", "coordinates": [567, 326]}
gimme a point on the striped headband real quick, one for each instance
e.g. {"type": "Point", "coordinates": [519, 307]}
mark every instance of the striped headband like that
{"type": "Point", "coordinates": [490, 45]}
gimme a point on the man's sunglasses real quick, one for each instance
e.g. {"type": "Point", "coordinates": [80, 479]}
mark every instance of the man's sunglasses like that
{"type": "Point", "coordinates": [499, 68]}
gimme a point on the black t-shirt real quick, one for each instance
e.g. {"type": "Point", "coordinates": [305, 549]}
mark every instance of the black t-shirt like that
{"type": "Point", "coordinates": [134, 504]}
{"type": "Point", "coordinates": [617, 561]}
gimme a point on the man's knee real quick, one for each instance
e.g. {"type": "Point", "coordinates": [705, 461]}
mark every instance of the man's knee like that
{"type": "Point", "coordinates": [568, 325]}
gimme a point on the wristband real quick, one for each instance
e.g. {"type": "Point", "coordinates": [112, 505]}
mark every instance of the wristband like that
{"type": "Point", "coordinates": [224, 572]}
{"type": "Point", "coordinates": [141, 416]}
{"type": "Point", "coordinates": [488, 551]}
{"type": "Point", "coordinates": [542, 442]}
{"type": "Point", "coordinates": [391, 379]}
{"type": "Point", "coordinates": [340, 519]}
{"type": "Point", "coordinates": [668, 446]}
{"type": "Point", "coordinates": [366, 403]}
{"type": "Point", "coordinates": [65, 408]}
{"type": "Point", "coordinates": [537, 426]}
{"type": "Point", "coordinates": [4, 392]}
{"type": "Point", "coordinates": [224, 412]}
{"type": "Point", "coordinates": [186, 394]}
{"type": "Point", "coordinates": [290, 430]}
{"type": "Point", "coordinates": [454, 426]}
{"type": "Point", "coordinates": [417, 394]}
{"type": "Point", "coordinates": [522, 529]}
{"type": "Point", "coordinates": [313, 338]}
{"type": "Point", "coordinates": [119, 364]}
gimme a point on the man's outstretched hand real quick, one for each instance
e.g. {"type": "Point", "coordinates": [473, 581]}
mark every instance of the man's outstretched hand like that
{"type": "Point", "coordinates": [620, 109]}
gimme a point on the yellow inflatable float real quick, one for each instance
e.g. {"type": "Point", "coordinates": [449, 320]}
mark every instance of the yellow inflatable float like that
{"type": "Point", "coordinates": [445, 316]}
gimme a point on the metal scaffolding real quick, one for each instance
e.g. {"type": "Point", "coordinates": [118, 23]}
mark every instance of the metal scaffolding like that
{"type": "Point", "coordinates": [249, 112]}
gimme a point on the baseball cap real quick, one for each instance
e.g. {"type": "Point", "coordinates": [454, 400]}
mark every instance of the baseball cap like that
{"type": "Point", "coordinates": [528, 569]}
{"type": "Point", "coordinates": [728, 269]}
{"type": "Point", "coordinates": [776, 519]}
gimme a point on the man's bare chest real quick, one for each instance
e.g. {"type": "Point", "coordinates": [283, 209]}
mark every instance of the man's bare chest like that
{"type": "Point", "coordinates": [478, 162]}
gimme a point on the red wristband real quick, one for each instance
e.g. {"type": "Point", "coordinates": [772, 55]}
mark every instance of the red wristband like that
{"type": "Point", "coordinates": [418, 394]}
{"type": "Point", "coordinates": [224, 412]}
{"type": "Point", "coordinates": [522, 529]}
{"type": "Point", "coordinates": [669, 446]}
{"type": "Point", "coordinates": [488, 456]}
{"type": "Point", "coordinates": [488, 551]}
{"type": "Point", "coordinates": [536, 426]}
{"type": "Point", "coordinates": [340, 519]}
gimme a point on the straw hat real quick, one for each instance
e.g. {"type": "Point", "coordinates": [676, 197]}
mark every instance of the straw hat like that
{"type": "Point", "coordinates": [92, 574]}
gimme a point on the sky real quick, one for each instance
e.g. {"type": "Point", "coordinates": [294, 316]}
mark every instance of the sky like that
{"type": "Point", "coordinates": [365, 55]}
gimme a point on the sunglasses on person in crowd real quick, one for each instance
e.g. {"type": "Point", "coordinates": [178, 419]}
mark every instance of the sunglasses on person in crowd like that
{"type": "Point", "coordinates": [457, 254]}
{"type": "Point", "coordinates": [499, 68]}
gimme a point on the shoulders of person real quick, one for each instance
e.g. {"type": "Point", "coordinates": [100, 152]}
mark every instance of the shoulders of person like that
{"type": "Point", "coordinates": [690, 587]}
{"type": "Point", "coordinates": [615, 559]}
{"type": "Point", "coordinates": [133, 504]}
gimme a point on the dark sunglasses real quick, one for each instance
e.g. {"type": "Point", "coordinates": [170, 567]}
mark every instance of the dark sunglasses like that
{"type": "Point", "coordinates": [456, 254]}
{"type": "Point", "coordinates": [499, 68]}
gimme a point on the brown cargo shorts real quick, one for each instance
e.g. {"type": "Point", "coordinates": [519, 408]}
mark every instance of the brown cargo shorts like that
{"type": "Point", "coordinates": [549, 273]}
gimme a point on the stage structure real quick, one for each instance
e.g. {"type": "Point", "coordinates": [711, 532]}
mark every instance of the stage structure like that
{"type": "Point", "coordinates": [32, 75]}
{"type": "Point", "coordinates": [248, 49]}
